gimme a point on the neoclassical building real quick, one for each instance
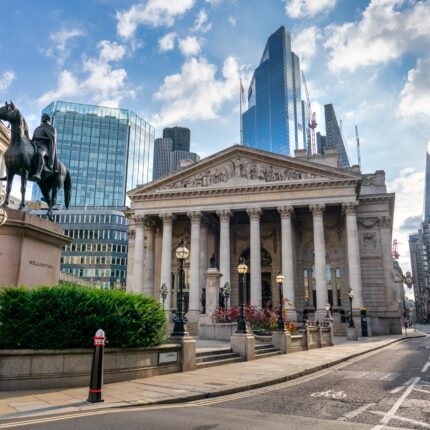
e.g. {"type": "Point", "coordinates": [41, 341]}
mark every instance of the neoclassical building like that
{"type": "Point", "coordinates": [326, 229]}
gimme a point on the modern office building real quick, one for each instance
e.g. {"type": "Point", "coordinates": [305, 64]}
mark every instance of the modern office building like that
{"type": "Point", "coordinates": [170, 150]}
{"type": "Point", "coordinates": [334, 135]}
{"type": "Point", "coordinates": [427, 191]}
{"type": "Point", "coordinates": [107, 150]}
{"type": "Point", "coordinates": [276, 120]}
{"type": "Point", "coordinates": [321, 143]}
{"type": "Point", "coordinates": [181, 137]}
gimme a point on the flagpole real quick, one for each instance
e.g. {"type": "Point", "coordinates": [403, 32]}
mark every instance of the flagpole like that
{"type": "Point", "coordinates": [241, 126]}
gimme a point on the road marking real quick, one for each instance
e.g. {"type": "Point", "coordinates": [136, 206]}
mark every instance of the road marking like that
{"type": "Point", "coordinates": [400, 387]}
{"type": "Point", "coordinates": [399, 418]}
{"type": "Point", "coordinates": [330, 393]}
{"type": "Point", "coordinates": [356, 412]}
{"type": "Point", "coordinates": [426, 366]}
{"type": "Point", "coordinates": [421, 390]}
{"type": "Point", "coordinates": [390, 414]}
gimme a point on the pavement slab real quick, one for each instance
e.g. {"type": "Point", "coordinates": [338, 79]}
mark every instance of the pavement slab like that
{"type": "Point", "coordinates": [194, 385]}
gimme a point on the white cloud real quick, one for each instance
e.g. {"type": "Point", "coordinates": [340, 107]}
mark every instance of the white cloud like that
{"type": "Point", "coordinates": [61, 51]}
{"type": "Point", "coordinates": [385, 31]}
{"type": "Point", "coordinates": [409, 189]}
{"type": "Point", "coordinates": [415, 96]}
{"type": "Point", "coordinates": [167, 42]}
{"type": "Point", "coordinates": [307, 8]}
{"type": "Point", "coordinates": [196, 93]}
{"type": "Point", "coordinates": [189, 46]}
{"type": "Point", "coordinates": [232, 20]}
{"type": "Point", "coordinates": [6, 79]}
{"type": "Point", "coordinates": [304, 45]}
{"type": "Point", "coordinates": [201, 23]}
{"type": "Point", "coordinates": [152, 12]}
{"type": "Point", "coordinates": [102, 83]}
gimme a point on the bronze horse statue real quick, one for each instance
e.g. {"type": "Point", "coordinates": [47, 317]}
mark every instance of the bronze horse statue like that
{"type": "Point", "coordinates": [20, 159]}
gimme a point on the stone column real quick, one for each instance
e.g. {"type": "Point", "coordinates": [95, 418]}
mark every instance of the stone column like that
{"type": "Point", "coordinates": [320, 261]}
{"type": "Point", "coordinates": [254, 216]}
{"type": "Point", "coordinates": [354, 266]}
{"type": "Point", "coordinates": [224, 248]}
{"type": "Point", "coordinates": [286, 213]}
{"type": "Point", "coordinates": [139, 243]}
{"type": "Point", "coordinates": [387, 261]}
{"type": "Point", "coordinates": [203, 256]}
{"type": "Point", "coordinates": [166, 258]}
{"type": "Point", "coordinates": [148, 276]}
{"type": "Point", "coordinates": [194, 297]}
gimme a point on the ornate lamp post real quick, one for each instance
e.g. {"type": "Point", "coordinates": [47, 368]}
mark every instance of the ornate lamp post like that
{"type": "Point", "coordinates": [163, 292]}
{"type": "Point", "coordinates": [351, 296]}
{"type": "Point", "coordinates": [227, 291]}
{"type": "Point", "coordinates": [3, 216]}
{"type": "Point", "coordinates": [327, 308]}
{"type": "Point", "coordinates": [180, 319]}
{"type": "Point", "coordinates": [242, 269]}
{"type": "Point", "coordinates": [280, 280]}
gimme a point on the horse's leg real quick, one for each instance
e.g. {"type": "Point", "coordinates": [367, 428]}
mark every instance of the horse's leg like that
{"type": "Point", "coordinates": [24, 177]}
{"type": "Point", "coordinates": [8, 188]}
{"type": "Point", "coordinates": [53, 201]}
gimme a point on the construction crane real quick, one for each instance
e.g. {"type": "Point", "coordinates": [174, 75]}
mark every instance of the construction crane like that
{"type": "Point", "coordinates": [313, 118]}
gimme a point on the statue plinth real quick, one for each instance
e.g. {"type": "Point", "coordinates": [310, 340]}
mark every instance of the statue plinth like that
{"type": "Point", "coordinates": [30, 250]}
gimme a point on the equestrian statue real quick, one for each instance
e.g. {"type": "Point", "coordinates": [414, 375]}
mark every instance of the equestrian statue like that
{"type": "Point", "coordinates": [34, 159]}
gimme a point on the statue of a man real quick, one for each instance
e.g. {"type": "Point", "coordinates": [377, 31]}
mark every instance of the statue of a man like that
{"type": "Point", "coordinates": [45, 138]}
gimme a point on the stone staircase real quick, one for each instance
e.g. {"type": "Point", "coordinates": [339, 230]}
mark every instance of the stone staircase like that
{"type": "Point", "coordinates": [265, 350]}
{"type": "Point", "coordinates": [217, 358]}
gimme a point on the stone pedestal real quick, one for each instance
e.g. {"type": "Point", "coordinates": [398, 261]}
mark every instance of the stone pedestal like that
{"type": "Point", "coordinates": [351, 333]}
{"type": "Point", "coordinates": [244, 345]}
{"type": "Point", "coordinates": [188, 346]}
{"type": "Point", "coordinates": [282, 341]}
{"type": "Point", "coordinates": [213, 277]}
{"type": "Point", "coordinates": [30, 250]}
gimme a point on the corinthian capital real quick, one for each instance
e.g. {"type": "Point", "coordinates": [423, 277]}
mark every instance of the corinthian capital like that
{"type": "Point", "coordinates": [350, 208]}
{"type": "Point", "coordinates": [139, 219]}
{"type": "Point", "coordinates": [317, 208]}
{"type": "Point", "coordinates": [224, 215]}
{"type": "Point", "coordinates": [194, 216]}
{"type": "Point", "coordinates": [167, 218]}
{"type": "Point", "coordinates": [286, 211]}
{"type": "Point", "coordinates": [254, 213]}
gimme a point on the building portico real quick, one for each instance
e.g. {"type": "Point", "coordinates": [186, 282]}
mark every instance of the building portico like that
{"type": "Point", "coordinates": [318, 225]}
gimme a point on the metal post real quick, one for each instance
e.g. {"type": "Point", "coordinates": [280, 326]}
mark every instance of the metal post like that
{"type": "Point", "coordinates": [95, 394]}
{"type": "Point", "coordinates": [281, 324]}
{"type": "Point", "coordinates": [351, 319]}
{"type": "Point", "coordinates": [241, 322]}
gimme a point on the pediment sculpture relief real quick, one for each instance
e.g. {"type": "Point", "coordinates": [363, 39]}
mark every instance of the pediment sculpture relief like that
{"type": "Point", "coordinates": [240, 170]}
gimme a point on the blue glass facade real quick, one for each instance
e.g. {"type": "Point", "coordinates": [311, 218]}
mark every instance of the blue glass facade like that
{"type": "Point", "coordinates": [275, 117]}
{"type": "Point", "coordinates": [334, 137]}
{"type": "Point", "coordinates": [427, 191]}
{"type": "Point", "coordinates": [108, 151]}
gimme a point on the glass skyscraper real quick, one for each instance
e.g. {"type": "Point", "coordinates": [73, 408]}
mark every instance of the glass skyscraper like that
{"type": "Point", "coordinates": [107, 150]}
{"type": "Point", "coordinates": [276, 119]}
{"type": "Point", "coordinates": [334, 137]}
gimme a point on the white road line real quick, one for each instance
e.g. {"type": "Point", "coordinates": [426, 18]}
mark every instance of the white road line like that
{"type": "Point", "coordinates": [399, 418]}
{"type": "Point", "coordinates": [426, 366]}
{"type": "Point", "coordinates": [421, 390]}
{"type": "Point", "coordinates": [356, 412]}
{"type": "Point", "coordinates": [390, 414]}
{"type": "Point", "coordinates": [400, 387]}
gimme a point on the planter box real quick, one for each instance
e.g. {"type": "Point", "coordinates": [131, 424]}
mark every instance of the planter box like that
{"type": "Point", "coordinates": [29, 369]}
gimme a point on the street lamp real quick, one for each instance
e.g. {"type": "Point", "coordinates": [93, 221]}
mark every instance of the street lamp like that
{"type": "Point", "coordinates": [327, 308]}
{"type": "Point", "coordinates": [280, 280]}
{"type": "Point", "coordinates": [3, 216]}
{"type": "Point", "coordinates": [242, 269]}
{"type": "Point", "coordinates": [351, 296]}
{"type": "Point", "coordinates": [163, 291]}
{"type": "Point", "coordinates": [227, 291]}
{"type": "Point", "coordinates": [180, 319]}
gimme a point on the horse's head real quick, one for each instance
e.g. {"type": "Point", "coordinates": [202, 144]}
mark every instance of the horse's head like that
{"type": "Point", "coordinates": [9, 112]}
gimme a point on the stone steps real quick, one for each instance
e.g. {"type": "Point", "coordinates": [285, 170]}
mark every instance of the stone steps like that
{"type": "Point", "coordinates": [217, 358]}
{"type": "Point", "coordinates": [265, 351]}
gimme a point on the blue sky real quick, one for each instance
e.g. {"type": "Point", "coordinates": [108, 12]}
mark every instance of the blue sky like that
{"type": "Point", "coordinates": [179, 62]}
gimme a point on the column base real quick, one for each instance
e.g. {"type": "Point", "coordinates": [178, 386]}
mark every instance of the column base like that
{"type": "Point", "coordinates": [351, 333]}
{"type": "Point", "coordinates": [320, 315]}
{"type": "Point", "coordinates": [244, 345]}
{"type": "Point", "coordinates": [193, 322]}
{"type": "Point", "coordinates": [291, 314]}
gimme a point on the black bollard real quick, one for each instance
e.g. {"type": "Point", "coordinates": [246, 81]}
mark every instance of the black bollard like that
{"type": "Point", "coordinates": [96, 381]}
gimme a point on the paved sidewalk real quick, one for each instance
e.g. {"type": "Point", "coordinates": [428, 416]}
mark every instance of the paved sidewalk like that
{"type": "Point", "coordinates": [198, 384]}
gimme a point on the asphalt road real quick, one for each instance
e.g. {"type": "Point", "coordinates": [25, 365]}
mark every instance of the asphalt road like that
{"type": "Point", "coordinates": [389, 388]}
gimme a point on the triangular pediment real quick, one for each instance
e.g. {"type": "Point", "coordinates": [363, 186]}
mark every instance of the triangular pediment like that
{"type": "Point", "coordinates": [240, 166]}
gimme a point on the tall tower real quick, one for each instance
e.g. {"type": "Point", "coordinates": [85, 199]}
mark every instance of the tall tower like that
{"type": "Point", "coordinates": [427, 191]}
{"type": "Point", "coordinates": [274, 119]}
{"type": "Point", "coordinates": [334, 137]}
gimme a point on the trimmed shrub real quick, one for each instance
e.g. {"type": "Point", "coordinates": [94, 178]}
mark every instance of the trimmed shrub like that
{"type": "Point", "coordinates": [68, 317]}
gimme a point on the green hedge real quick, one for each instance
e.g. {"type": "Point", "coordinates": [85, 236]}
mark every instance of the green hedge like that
{"type": "Point", "coordinates": [68, 317]}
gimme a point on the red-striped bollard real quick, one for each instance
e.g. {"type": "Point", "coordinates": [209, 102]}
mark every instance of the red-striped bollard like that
{"type": "Point", "coordinates": [96, 382]}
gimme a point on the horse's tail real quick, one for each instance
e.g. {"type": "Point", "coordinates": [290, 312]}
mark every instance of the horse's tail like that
{"type": "Point", "coordinates": [67, 189]}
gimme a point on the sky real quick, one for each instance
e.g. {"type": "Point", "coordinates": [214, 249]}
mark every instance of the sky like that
{"type": "Point", "coordinates": [178, 62]}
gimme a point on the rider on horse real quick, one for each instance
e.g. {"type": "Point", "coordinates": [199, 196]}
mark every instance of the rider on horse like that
{"type": "Point", "coordinates": [45, 138]}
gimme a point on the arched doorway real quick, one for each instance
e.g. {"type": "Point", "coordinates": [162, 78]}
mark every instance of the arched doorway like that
{"type": "Point", "coordinates": [266, 277]}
